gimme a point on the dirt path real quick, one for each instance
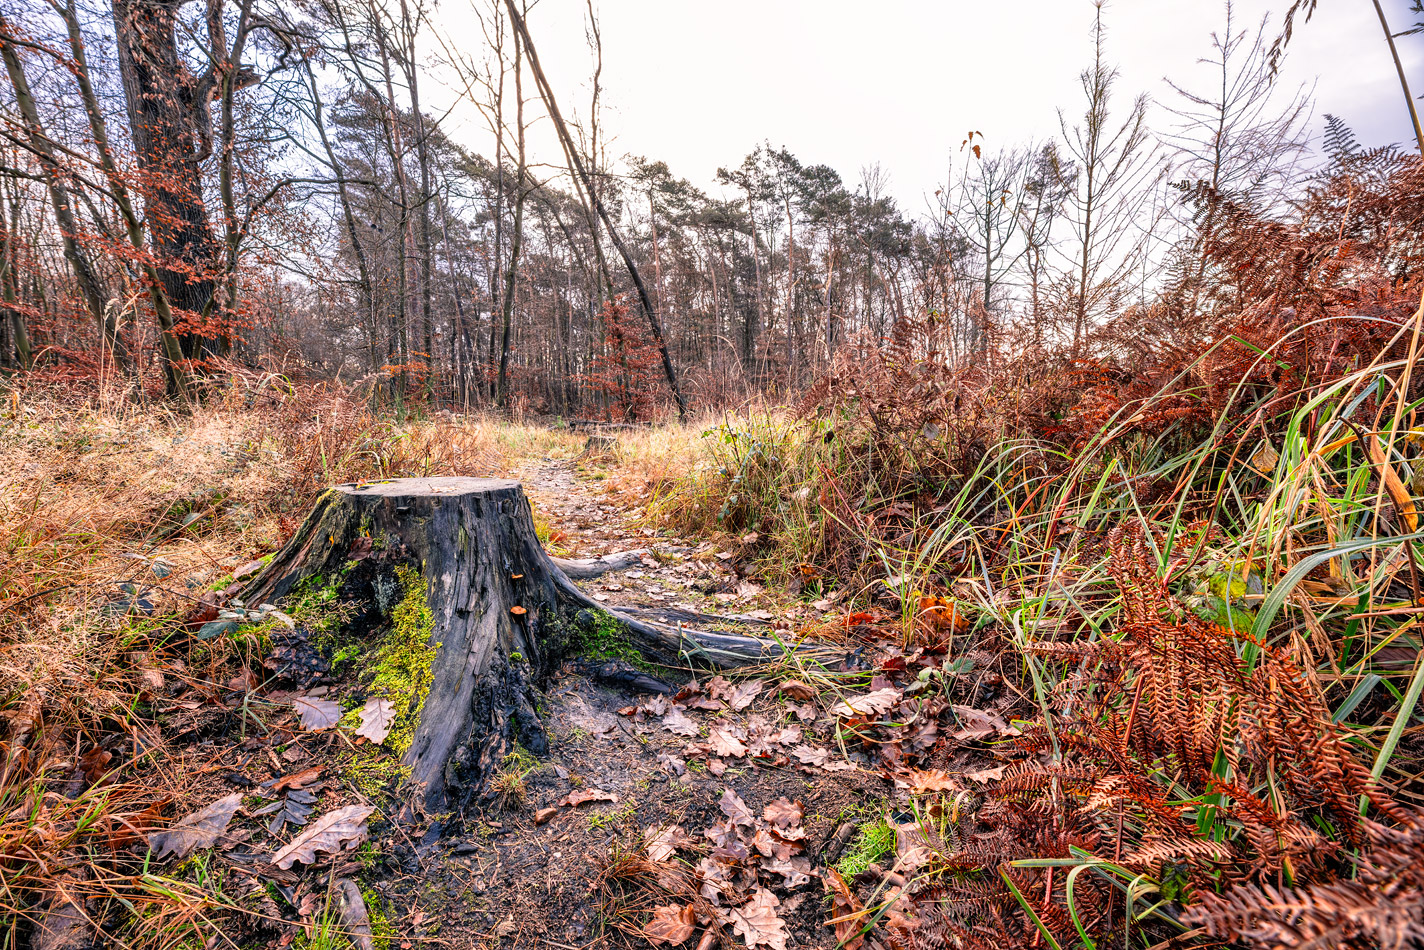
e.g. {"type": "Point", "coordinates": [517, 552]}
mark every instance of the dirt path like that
{"type": "Point", "coordinates": [738, 787]}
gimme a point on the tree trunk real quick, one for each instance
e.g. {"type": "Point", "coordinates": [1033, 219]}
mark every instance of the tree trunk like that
{"type": "Point", "coordinates": [172, 135]}
{"type": "Point", "coordinates": [504, 612]}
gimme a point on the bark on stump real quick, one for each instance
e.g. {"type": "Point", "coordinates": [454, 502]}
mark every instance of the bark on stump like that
{"type": "Point", "coordinates": [504, 611]}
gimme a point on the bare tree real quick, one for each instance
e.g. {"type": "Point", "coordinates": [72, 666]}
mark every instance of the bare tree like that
{"type": "Point", "coordinates": [1237, 140]}
{"type": "Point", "coordinates": [1114, 164]}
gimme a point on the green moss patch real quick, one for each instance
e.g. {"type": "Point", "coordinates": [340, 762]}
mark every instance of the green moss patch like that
{"type": "Point", "coordinates": [400, 664]}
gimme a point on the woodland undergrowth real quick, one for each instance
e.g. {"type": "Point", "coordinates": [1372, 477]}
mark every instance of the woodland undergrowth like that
{"type": "Point", "coordinates": [1201, 575]}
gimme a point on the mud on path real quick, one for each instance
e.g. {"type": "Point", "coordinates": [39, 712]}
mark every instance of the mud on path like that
{"type": "Point", "coordinates": [696, 777]}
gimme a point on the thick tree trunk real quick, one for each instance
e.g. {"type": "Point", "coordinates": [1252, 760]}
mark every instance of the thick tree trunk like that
{"type": "Point", "coordinates": [504, 612]}
{"type": "Point", "coordinates": [168, 119]}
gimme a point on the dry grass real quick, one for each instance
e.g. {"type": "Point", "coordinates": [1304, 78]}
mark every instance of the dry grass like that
{"type": "Point", "coordinates": [652, 459]}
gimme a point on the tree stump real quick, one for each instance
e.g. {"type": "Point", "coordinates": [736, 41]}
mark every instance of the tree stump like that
{"type": "Point", "coordinates": [503, 611]}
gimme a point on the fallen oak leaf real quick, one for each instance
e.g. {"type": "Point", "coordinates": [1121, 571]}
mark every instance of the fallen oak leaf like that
{"type": "Point", "coordinates": [757, 921]}
{"type": "Point", "coordinates": [663, 842]}
{"type": "Point", "coordinates": [95, 763]}
{"type": "Point", "coordinates": [794, 872]}
{"type": "Point", "coordinates": [724, 743]}
{"type": "Point", "coordinates": [342, 829]}
{"type": "Point", "coordinates": [295, 780]}
{"type": "Point", "coordinates": [201, 829]}
{"type": "Point", "coordinates": [920, 781]}
{"type": "Point", "coordinates": [317, 714]}
{"type": "Point", "coordinates": [377, 716]}
{"type": "Point", "coordinates": [986, 775]}
{"type": "Point", "coordinates": [783, 813]}
{"type": "Point", "coordinates": [811, 755]}
{"type": "Point", "coordinates": [294, 809]}
{"type": "Point", "coordinates": [670, 924]}
{"type": "Point", "coordinates": [797, 690]}
{"type": "Point", "coordinates": [352, 915]}
{"type": "Point", "coordinates": [846, 911]}
{"type": "Point", "coordinates": [878, 701]}
{"type": "Point", "coordinates": [741, 695]}
{"type": "Point", "coordinates": [979, 724]}
{"type": "Point", "coordinates": [676, 722]}
{"type": "Point", "coordinates": [735, 809]}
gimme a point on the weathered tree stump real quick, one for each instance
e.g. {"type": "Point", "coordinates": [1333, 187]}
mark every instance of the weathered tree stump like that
{"type": "Point", "coordinates": [504, 611]}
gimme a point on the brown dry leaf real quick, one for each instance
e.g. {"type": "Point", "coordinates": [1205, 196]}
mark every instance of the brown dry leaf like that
{"type": "Point", "coordinates": [344, 828]}
{"type": "Point", "coordinates": [580, 795]}
{"type": "Point", "coordinates": [377, 716]}
{"type": "Point", "coordinates": [735, 809]}
{"type": "Point", "coordinates": [297, 779]}
{"type": "Point", "coordinates": [676, 722]}
{"type": "Point", "coordinates": [662, 842]}
{"type": "Point", "coordinates": [201, 829]}
{"type": "Point", "coordinates": [757, 922]}
{"type": "Point", "coordinates": [797, 690]}
{"type": "Point", "coordinates": [670, 924]}
{"type": "Point", "coordinates": [351, 913]}
{"type": "Point", "coordinates": [806, 712]}
{"type": "Point", "coordinates": [786, 737]}
{"type": "Point", "coordinates": [980, 724]}
{"type": "Point", "coordinates": [879, 701]}
{"type": "Point", "coordinates": [151, 678]}
{"type": "Point", "coordinates": [811, 755]}
{"type": "Point", "coordinates": [248, 569]}
{"type": "Point", "coordinates": [317, 714]}
{"type": "Point", "coordinates": [741, 695]}
{"type": "Point", "coordinates": [986, 775]}
{"type": "Point", "coordinates": [95, 763]}
{"type": "Point", "coordinates": [783, 813]}
{"type": "Point", "coordinates": [794, 871]}
{"type": "Point", "coordinates": [244, 682]}
{"type": "Point", "coordinates": [716, 879]}
{"type": "Point", "coordinates": [920, 781]}
{"type": "Point", "coordinates": [724, 743]}
{"type": "Point", "coordinates": [716, 766]}
{"type": "Point", "coordinates": [845, 911]}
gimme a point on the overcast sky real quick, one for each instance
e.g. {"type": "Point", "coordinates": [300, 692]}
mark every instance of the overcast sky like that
{"type": "Point", "coordinates": [699, 83]}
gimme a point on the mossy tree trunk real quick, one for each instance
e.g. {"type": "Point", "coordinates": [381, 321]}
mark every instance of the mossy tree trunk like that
{"type": "Point", "coordinates": [501, 612]}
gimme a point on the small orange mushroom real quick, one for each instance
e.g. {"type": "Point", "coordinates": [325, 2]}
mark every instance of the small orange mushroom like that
{"type": "Point", "coordinates": [515, 577]}
{"type": "Point", "coordinates": [518, 611]}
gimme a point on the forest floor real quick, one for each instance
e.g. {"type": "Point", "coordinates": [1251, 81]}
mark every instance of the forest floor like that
{"type": "Point", "coordinates": [642, 768]}
{"type": "Point", "coordinates": [673, 808]}
{"type": "Point", "coordinates": [707, 775]}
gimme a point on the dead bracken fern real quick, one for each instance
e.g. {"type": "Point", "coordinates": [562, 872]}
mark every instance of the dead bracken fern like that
{"type": "Point", "coordinates": [1382, 907]}
{"type": "Point", "coordinates": [1205, 761]}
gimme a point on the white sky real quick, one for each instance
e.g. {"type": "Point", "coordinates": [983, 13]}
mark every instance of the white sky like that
{"type": "Point", "coordinates": [699, 83]}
